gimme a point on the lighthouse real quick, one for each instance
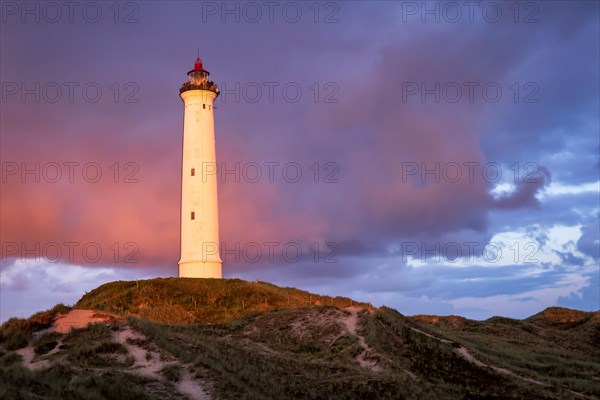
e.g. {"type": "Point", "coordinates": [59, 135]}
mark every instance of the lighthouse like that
{"type": "Point", "coordinates": [199, 209]}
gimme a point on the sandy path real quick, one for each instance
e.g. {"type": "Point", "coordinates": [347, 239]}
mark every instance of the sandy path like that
{"type": "Point", "coordinates": [28, 355]}
{"type": "Point", "coordinates": [466, 354]}
{"type": "Point", "coordinates": [463, 351]}
{"type": "Point", "coordinates": [188, 385]}
{"type": "Point", "coordinates": [446, 341]}
{"type": "Point", "coordinates": [368, 358]}
{"type": "Point", "coordinates": [352, 319]}
{"type": "Point", "coordinates": [151, 367]}
{"type": "Point", "coordinates": [141, 365]}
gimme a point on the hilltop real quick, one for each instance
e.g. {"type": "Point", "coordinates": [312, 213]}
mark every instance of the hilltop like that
{"type": "Point", "coordinates": [231, 339]}
{"type": "Point", "coordinates": [188, 300]}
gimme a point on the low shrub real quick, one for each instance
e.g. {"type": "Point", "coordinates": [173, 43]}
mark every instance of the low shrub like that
{"type": "Point", "coordinates": [46, 343]}
{"type": "Point", "coordinates": [14, 340]}
{"type": "Point", "coordinates": [172, 372]}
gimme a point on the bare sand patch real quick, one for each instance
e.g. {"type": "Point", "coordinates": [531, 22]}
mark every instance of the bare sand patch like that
{"type": "Point", "coordinates": [77, 319]}
{"type": "Point", "coordinates": [190, 386]}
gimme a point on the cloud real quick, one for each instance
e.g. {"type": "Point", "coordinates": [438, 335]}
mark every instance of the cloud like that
{"type": "Point", "coordinates": [589, 242]}
{"type": "Point", "coordinates": [505, 305]}
{"type": "Point", "coordinates": [368, 137]}
{"type": "Point", "coordinates": [29, 286]}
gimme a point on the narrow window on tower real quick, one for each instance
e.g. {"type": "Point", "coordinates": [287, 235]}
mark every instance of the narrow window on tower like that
{"type": "Point", "coordinates": [209, 107]}
{"type": "Point", "coordinates": [193, 171]}
{"type": "Point", "coordinates": [193, 215]}
{"type": "Point", "coordinates": [204, 106]}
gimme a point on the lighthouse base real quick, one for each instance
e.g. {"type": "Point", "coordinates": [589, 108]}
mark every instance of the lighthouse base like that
{"type": "Point", "coordinates": [199, 269]}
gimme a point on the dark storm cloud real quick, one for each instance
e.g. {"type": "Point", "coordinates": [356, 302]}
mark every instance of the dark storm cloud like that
{"type": "Point", "coordinates": [370, 134]}
{"type": "Point", "coordinates": [374, 130]}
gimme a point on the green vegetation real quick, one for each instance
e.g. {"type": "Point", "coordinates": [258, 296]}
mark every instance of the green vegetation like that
{"type": "Point", "coordinates": [46, 343]}
{"type": "Point", "coordinates": [64, 382]}
{"type": "Point", "coordinates": [9, 359]}
{"type": "Point", "coordinates": [93, 346]}
{"type": "Point", "coordinates": [187, 300]}
{"type": "Point", "coordinates": [13, 339]}
{"type": "Point", "coordinates": [15, 332]}
{"type": "Point", "coordinates": [438, 361]}
{"type": "Point", "coordinates": [557, 347]}
{"type": "Point", "coordinates": [305, 353]}
{"type": "Point", "coordinates": [172, 372]}
{"type": "Point", "coordinates": [89, 366]}
{"type": "Point", "coordinates": [243, 361]}
{"type": "Point", "coordinates": [258, 341]}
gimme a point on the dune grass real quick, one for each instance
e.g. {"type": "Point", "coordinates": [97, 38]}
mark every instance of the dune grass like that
{"type": "Point", "coordinates": [253, 364]}
{"type": "Point", "coordinates": [254, 340]}
{"type": "Point", "coordinates": [187, 300]}
{"type": "Point", "coordinates": [16, 332]}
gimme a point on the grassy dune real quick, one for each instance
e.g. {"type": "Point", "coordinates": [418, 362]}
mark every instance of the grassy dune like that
{"type": "Point", "coordinates": [187, 300]}
{"type": "Point", "coordinates": [254, 340]}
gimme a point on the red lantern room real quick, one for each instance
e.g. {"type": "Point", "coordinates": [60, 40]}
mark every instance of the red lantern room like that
{"type": "Point", "coordinates": [198, 79]}
{"type": "Point", "coordinates": [198, 74]}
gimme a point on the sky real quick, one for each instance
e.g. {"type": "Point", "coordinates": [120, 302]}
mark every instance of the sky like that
{"type": "Point", "coordinates": [435, 157]}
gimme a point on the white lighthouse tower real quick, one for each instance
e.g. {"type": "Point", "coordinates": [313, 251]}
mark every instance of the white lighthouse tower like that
{"type": "Point", "coordinates": [199, 210]}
